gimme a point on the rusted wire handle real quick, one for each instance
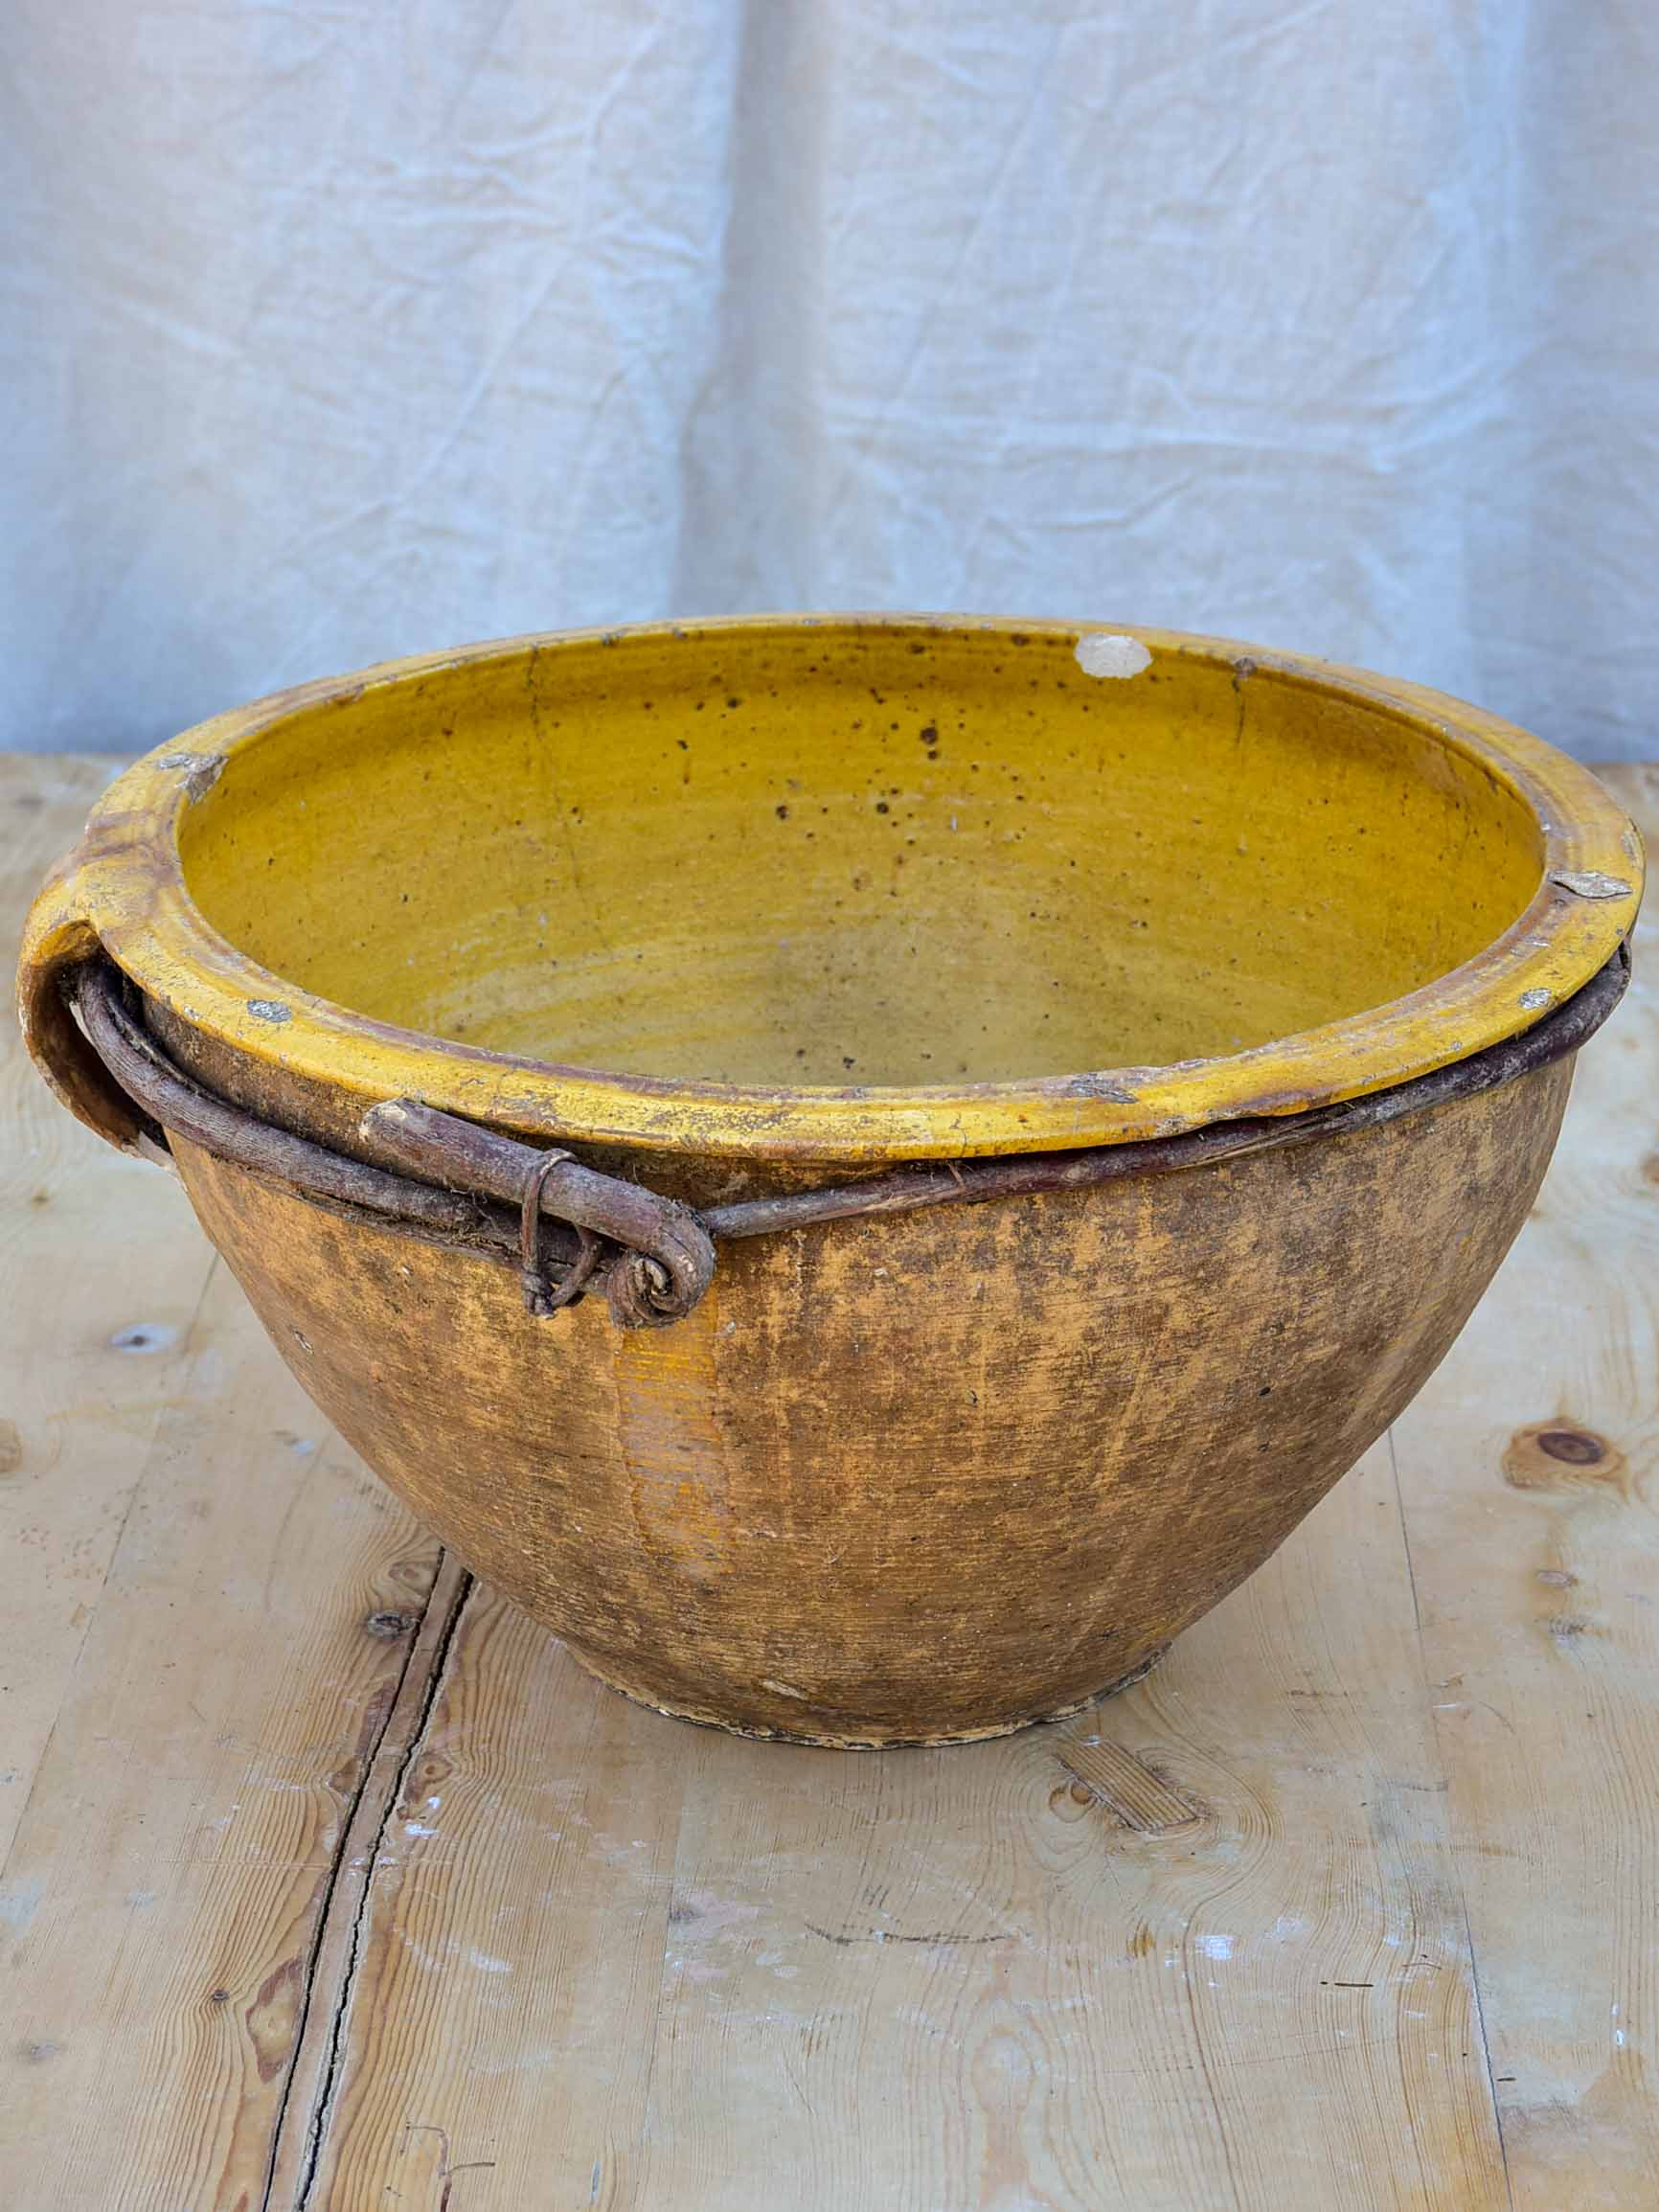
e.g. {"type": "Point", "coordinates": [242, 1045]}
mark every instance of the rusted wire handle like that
{"type": "Point", "coordinates": [668, 1255]}
{"type": "Point", "coordinates": [462, 1177]}
{"type": "Point", "coordinates": [441, 1148]}
{"type": "Point", "coordinates": [665, 1258]}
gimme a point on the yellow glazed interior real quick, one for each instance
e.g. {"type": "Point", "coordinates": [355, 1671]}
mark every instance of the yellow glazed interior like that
{"type": "Point", "coordinates": [858, 887]}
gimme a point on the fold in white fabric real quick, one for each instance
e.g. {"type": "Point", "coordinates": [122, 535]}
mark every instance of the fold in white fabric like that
{"type": "Point", "coordinates": [331, 331]}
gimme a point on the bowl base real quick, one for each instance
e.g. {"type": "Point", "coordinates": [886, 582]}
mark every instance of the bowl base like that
{"type": "Point", "coordinates": [825, 1739]}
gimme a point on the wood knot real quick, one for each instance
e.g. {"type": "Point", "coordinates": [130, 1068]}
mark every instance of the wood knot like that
{"type": "Point", "coordinates": [1070, 1800]}
{"type": "Point", "coordinates": [1561, 1456]}
{"type": "Point", "coordinates": [141, 1338]}
{"type": "Point", "coordinates": [388, 1626]}
{"type": "Point", "coordinates": [1576, 1446]}
{"type": "Point", "coordinates": [1564, 1627]}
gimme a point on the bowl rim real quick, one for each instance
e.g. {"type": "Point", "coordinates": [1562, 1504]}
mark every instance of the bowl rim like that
{"type": "Point", "coordinates": [128, 885]}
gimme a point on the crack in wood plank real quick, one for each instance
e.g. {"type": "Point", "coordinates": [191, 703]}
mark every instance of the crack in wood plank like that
{"type": "Point", "coordinates": [332, 1965]}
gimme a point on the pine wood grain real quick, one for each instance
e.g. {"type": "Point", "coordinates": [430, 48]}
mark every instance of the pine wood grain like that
{"type": "Point", "coordinates": [163, 1894]}
{"type": "Point", "coordinates": [92, 1353]}
{"type": "Point", "coordinates": [1528, 1475]}
{"type": "Point", "coordinates": [207, 1606]}
{"type": "Point", "coordinates": [1205, 1948]}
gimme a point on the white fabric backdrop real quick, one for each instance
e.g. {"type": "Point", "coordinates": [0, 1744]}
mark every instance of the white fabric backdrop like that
{"type": "Point", "coordinates": [337, 329]}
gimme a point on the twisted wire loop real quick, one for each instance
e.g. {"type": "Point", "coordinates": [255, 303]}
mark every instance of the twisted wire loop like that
{"type": "Point", "coordinates": [653, 1267]}
{"type": "Point", "coordinates": [643, 1290]}
{"type": "Point", "coordinates": [650, 1284]}
{"type": "Point", "coordinates": [646, 1292]}
{"type": "Point", "coordinates": [543, 1297]}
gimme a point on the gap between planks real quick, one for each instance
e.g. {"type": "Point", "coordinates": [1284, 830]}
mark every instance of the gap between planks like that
{"type": "Point", "coordinates": [1440, 1760]}
{"type": "Point", "coordinates": [302, 2120]}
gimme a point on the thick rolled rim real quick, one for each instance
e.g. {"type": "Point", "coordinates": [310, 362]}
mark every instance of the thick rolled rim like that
{"type": "Point", "coordinates": [129, 884]}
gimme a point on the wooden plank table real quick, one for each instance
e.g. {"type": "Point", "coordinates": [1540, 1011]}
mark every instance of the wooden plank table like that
{"type": "Point", "coordinates": [330, 1882]}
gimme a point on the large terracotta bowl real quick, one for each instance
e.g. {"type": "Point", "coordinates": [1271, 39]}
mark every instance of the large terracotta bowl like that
{"type": "Point", "coordinates": [1018, 1133]}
